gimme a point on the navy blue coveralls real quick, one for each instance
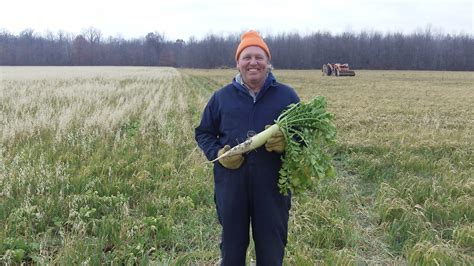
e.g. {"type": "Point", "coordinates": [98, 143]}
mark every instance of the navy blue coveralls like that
{"type": "Point", "coordinates": [248, 195]}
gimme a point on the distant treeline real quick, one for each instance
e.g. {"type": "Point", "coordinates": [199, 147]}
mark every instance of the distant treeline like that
{"type": "Point", "coordinates": [423, 50]}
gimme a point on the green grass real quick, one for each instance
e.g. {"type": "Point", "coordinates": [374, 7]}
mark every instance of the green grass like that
{"type": "Point", "coordinates": [99, 165]}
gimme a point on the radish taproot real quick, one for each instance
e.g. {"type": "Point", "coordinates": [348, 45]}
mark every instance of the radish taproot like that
{"type": "Point", "coordinates": [307, 128]}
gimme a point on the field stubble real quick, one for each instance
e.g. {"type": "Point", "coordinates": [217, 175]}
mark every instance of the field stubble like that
{"type": "Point", "coordinates": [99, 165]}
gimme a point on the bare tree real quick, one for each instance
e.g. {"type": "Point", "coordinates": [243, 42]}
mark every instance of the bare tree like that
{"type": "Point", "coordinates": [154, 43]}
{"type": "Point", "coordinates": [423, 49]}
{"type": "Point", "coordinates": [93, 36]}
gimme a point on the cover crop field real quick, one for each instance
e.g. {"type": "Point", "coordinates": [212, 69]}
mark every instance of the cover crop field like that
{"type": "Point", "coordinates": [98, 165]}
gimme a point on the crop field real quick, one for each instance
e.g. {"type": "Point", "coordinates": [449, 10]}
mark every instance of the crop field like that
{"type": "Point", "coordinates": [98, 165]}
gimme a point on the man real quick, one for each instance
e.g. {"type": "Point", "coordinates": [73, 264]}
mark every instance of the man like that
{"type": "Point", "coordinates": [246, 190]}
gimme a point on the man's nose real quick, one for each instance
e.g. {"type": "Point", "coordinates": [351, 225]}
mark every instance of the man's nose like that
{"type": "Point", "coordinates": [253, 60]}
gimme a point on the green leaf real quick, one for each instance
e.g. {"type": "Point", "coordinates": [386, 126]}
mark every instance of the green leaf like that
{"type": "Point", "coordinates": [308, 128]}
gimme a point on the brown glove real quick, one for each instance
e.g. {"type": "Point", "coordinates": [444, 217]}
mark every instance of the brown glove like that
{"type": "Point", "coordinates": [276, 143]}
{"type": "Point", "coordinates": [231, 162]}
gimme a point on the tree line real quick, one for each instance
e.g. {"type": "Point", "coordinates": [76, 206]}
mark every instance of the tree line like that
{"type": "Point", "coordinates": [422, 50]}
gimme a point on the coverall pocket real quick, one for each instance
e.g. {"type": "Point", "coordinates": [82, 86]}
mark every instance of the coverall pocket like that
{"type": "Point", "coordinates": [220, 173]}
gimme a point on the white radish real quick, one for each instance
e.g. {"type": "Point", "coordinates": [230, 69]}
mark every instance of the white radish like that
{"type": "Point", "coordinates": [306, 127]}
{"type": "Point", "coordinates": [252, 143]}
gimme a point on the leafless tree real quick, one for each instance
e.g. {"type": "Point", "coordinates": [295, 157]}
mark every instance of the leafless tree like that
{"type": "Point", "coordinates": [424, 49]}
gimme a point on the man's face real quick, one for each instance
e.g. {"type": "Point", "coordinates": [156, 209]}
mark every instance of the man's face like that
{"type": "Point", "coordinates": [253, 66]}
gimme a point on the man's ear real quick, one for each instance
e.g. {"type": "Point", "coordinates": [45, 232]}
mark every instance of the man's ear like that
{"type": "Point", "coordinates": [269, 67]}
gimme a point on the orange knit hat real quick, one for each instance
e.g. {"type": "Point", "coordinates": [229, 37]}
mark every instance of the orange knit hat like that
{"type": "Point", "coordinates": [251, 38]}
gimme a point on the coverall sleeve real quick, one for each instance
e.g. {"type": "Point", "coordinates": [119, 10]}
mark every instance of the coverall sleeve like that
{"type": "Point", "coordinates": [295, 98]}
{"type": "Point", "coordinates": [207, 133]}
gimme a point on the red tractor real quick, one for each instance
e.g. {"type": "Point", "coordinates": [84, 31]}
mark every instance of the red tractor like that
{"type": "Point", "coordinates": [337, 70]}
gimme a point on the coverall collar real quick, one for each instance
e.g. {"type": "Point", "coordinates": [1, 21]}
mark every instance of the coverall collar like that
{"type": "Point", "coordinates": [239, 83]}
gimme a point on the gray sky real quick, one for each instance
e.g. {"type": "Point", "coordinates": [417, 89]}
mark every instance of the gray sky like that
{"type": "Point", "coordinates": [185, 18]}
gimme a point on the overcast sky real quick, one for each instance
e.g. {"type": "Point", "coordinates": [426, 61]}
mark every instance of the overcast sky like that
{"type": "Point", "coordinates": [186, 18]}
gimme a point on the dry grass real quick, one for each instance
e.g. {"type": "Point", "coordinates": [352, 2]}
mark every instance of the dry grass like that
{"type": "Point", "coordinates": [99, 165]}
{"type": "Point", "coordinates": [404, 156]}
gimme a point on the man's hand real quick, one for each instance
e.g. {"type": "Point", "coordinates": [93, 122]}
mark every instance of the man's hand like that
{"type": "Point", "coordinates": [231, 162]}
{"type": "Point", "coordinates": [276, 143]}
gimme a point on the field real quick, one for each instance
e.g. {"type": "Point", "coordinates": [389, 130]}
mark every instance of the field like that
{"type": "Point", "coordinates": [98, 165]}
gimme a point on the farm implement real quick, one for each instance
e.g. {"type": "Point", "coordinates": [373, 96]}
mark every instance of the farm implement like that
{"type": "Point", "coordinates": [337, 70]}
